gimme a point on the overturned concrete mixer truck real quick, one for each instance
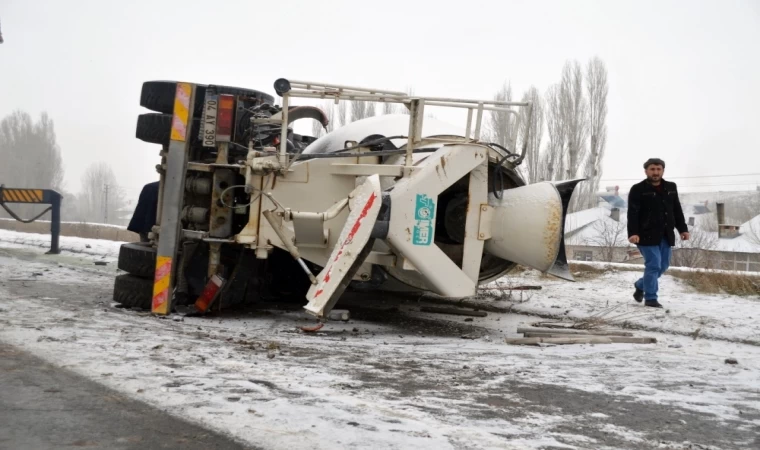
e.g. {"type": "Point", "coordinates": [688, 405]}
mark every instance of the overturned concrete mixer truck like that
{"type": "Point", "coordinates": [247, 209]}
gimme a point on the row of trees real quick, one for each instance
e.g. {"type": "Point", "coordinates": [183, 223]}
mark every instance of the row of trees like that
{"type": "Point", "coordinates": [350, 111]}
{"type": "Point", "coordinates": [31, 158]}
{"type": "Point", "coordinates": [567, 133]}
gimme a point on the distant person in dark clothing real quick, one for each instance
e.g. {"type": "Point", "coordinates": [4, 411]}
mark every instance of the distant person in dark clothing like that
{"type": "Point", "coordinates": [144, 217]}
{"type": "Point", "coordinates": [653, 211]}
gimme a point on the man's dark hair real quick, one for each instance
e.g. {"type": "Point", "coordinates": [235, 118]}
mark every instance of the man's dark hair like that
{"type": "Point", "coordinates": [657, 161]}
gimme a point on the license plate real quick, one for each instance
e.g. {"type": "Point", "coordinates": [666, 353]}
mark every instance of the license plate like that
{"type": "Point", "coordinates": [210, 108]}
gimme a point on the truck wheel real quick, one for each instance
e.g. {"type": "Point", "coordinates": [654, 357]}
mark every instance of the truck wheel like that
{"type": "Point", "coordinates": [132, 291]}
{"type": "Point", "coordinates": [138, 259]}
{"type": "Point", "coordinates": [159, 95]}
{"type": "Point", "coordinates": [157, 128]}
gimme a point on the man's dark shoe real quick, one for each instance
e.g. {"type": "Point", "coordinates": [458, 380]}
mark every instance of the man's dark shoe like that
{"type": "Point", "coordinates": [638, 294]}
{"type": "Point", "coordinates": [653, 303]}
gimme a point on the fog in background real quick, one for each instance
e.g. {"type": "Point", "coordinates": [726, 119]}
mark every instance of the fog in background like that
{"type": "Point", "coordinates": [683, 76]}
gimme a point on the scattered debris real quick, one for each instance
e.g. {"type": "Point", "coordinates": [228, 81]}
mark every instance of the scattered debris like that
{"type": "Point", "coordinates": [675, 346]}
{"type": "Point", "coordinates": [453, 311]}
{"type": "Point", "coordinates": [469, 319]}
{"type": "Point", "coordinates": [516, 288]}
{"type": "Point", "coordinates": [316, 327]}
{"type": "Point", "coordinates": [101, 263]}
{"type": "Point", "coordinates": [178, 319]}
{"type": "Point", "coordinates": [339, 314]}
{"type": "Point", "coordinates": [731, 361]}
{"type": "Point", "coordinates": [233, 399]}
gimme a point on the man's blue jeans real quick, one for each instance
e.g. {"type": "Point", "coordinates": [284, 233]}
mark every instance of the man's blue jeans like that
{"type": "Point", "coordinates": [656, 262]}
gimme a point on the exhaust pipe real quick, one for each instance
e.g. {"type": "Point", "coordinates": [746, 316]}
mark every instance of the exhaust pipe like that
{"type": "Point", "coordinates": [528, 226]}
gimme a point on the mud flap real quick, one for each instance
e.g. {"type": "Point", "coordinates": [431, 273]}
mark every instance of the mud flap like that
{"type": "Point", "coordinates": [351, 250]}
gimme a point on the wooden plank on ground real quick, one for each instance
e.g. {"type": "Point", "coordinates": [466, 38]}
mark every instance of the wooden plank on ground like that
{"type": "Point", "coordinates": [534, 330]}
{"type": "Point", "coordinates": [560, 341]}
{"type": "Point", "coordinates": [454, 311]}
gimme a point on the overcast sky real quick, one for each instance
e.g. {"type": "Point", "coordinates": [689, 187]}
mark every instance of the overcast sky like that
{"type": "Point", "coordinates": [684, 75]}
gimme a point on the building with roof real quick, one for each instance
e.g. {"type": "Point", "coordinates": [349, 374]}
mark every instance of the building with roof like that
{"type": "Point", "coordinates": [600, 234]}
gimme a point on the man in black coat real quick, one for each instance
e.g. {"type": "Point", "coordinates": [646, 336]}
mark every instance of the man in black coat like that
{"type": "Point", "coordinates": [653, 211]}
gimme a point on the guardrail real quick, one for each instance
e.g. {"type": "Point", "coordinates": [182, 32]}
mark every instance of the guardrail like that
{"type": "Point", "coordinates": [36, 196]}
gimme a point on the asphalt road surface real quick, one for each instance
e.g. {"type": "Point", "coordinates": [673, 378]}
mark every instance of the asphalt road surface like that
{"type": "Point", "coordinates": [46, 407]}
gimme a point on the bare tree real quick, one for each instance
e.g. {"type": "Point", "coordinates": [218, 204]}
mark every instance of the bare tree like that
{"type": "Point", "coordinates": [389, 108]}
{"type": "Point", "coordinates": [752, 230]}
{"type": "Point", "coordinates": [553, 157]}
{"type": "Point", "coordinates": [29, 156]}
{"type": "Point", "coordinates": [596, 92]}
{"type": "Point", "coordinates": [101, 196]}
{"type": "Point", "coordinates": [342, 118]}
{"type": "Point", "coordinates": [329, 109]}
{"type": "Point", "coordinates": [609, 236]}
{"type": "Point", "coordinates": [502, 126]}
{"type": "Point", "coordinates": [316, 128]}
{"type": "Point", "coordinates": [574, 107]}
{"type": "Point", "coordinates": [576, 110]}
{"type": "Point", "coordinates": [29, 151]}
{"type": "Point", "coordinates": [535, 131]}
{"type": "Point", "coordinates": [695, 251]}
{"type": "Point", "coordinates": [403, 109]}
{"type": "Point", "coordinates": [362, 110]}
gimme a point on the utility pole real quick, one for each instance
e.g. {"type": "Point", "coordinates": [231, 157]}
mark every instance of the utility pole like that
{"type": "Point", "coordinates": [105, 204]}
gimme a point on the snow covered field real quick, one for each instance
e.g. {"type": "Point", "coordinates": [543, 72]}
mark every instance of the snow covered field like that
{"type": "Point", "coordinates": [686, 311]}
{"type": "Point", "coordinates": [395, 377]}
{"type": "Point", "coordinates": [99, 248]}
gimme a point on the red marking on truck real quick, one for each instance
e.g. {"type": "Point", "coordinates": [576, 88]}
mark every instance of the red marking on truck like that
{"type": "Point", "coordinates": [162, 271]}
{"type": "Point", "coordinates": [161, 283]}
{"type": "Point", "coordinates": [349, 239]}
{"type": "Point", "coordinates": [160, 299]}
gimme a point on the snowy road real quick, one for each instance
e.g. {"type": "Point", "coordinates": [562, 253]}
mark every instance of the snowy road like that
{"type": "Point", "coordinates": [391, 378]}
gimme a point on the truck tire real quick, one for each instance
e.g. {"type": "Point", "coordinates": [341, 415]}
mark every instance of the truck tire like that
{"type": "Point", "coordinates": [138, 259]}
{"type": "Point", "coordinates": [159, 96]}
{"type": "Point", "coordinates": [157, 128]}
{"type": "Point", "coordinates": [132, 291]}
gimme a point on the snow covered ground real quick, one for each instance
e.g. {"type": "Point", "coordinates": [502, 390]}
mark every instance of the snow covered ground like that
{"type": "Point", "coordinates": [686, 311]}
{"type": "Point", "coordinates": [395, 377]}
{"type": "Point", "coordinates": [70, 246]}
